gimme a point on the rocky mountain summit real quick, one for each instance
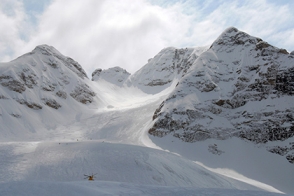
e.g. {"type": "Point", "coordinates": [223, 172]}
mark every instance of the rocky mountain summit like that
{"type": "Point", "coordinates": [168, 65]}
{"type": "Point", "coordinates": [115, 75]}
{"type": "Point", "coordinates": [240, 87]}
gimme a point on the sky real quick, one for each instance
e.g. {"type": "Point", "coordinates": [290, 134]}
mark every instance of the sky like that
{"type": "Point", "coordinates": [126, 33]}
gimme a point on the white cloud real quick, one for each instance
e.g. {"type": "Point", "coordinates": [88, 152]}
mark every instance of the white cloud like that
{"type": "Point", "coordinates": [258, 18]}
{"type": "Point", "coordinates": [12, 19]}
{"type": "Point", "coordinates": [103, 34]}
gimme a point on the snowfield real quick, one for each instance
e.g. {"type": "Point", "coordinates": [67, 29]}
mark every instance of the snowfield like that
{"type": "Point", "coordinates": [56, 168]}
{"type": "Point", "coordinates": [52, 161]}
{"type": "Point", "coordinates": [115, 188]}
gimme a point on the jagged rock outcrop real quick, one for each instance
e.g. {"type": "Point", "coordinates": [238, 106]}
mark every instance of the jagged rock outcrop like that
{"type": "Point", "coordinates": [96, 74]}
{"type": "Point", "coordinates": [241, 87]}
{"type": "Point", "coordinates": [83, 94]}
{"type": "Point", "coordinates": [31, 105]}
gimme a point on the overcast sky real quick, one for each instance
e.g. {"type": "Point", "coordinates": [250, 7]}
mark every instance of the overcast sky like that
{"type": "Point", "coordinates": [126, 33]}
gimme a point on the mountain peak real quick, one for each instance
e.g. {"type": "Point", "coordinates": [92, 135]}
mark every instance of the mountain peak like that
{"type": "Point", "coordinates": [115, 75]}
{"type": "Point", "coordinates": [51, 53]}
{"type": "Point", "coordinates": [46, 50]}
{"type": "Point", "coordinates": [165, 68]}
{"type": "Point", "coordinates": [233, 37]}
{"type": "Point", "coordinates": [231, 30]}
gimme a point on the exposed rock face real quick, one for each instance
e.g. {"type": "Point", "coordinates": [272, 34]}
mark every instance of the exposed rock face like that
{"type": "Point", "coordinates": [214, 149]}
{"type": "Point", "coordinates": [83, 93]}
{"type": "Point", "coordinates": [241, 87]}
{"type": "Point", "coordinates": [115, 75]}
{"type": "Point", "coordinates": [286, 151]}
{"type": "Point", "coordinates": [96, 73]}
{"type": "Point", "coordinates": [61, 94]}
{"type": "Point", "coordinates": [12, 84]}
{"type": "Point", "coordinates": [31, 105]}
{"type": "Point", "coordinates": [51, 103]}
{"type": "Point", "coordinates": [168, 65]}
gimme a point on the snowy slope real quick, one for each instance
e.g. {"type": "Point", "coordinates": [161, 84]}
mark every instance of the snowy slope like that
{"type": "Point", "coordinates": [236, 158]}
{"type": "Point", "coordinates": [115, 188]}
{"type": "Point", "coordinates": [69, 161]}
{"type": "Point", "coordinates": [63, 164]}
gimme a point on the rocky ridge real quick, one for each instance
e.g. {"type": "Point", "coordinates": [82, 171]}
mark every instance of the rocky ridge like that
{"type": "Point", "coordinates": [241, 87]}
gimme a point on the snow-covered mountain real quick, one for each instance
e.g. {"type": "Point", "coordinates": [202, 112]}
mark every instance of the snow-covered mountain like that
{"type": "Point", "coordinates": [199, 120]}
{"type": "Point", "coordinates": [40, 89]}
